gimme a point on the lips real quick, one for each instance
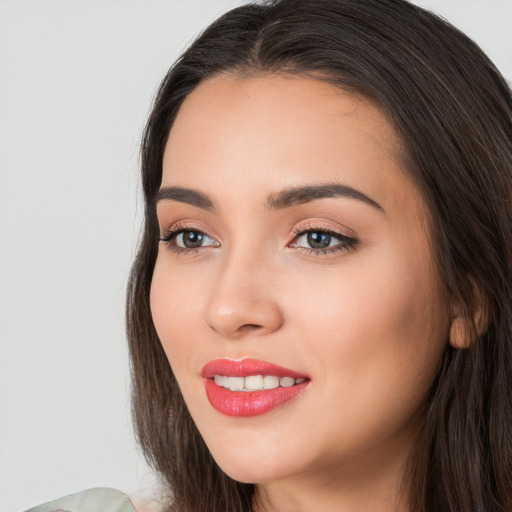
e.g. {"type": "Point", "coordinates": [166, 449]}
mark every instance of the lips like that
{"type": "Point", "coordinates": [249, 387]}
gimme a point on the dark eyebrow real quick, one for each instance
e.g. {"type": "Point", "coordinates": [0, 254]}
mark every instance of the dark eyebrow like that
{"type": "Point", "coordinates": [283, 199]}
{"type": "Point", "coordinates": [184, 195]}
{"type": "Point", "coordinates": [301, 195]}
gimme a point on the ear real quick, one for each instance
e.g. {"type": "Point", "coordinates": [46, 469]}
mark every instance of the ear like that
{"type": "Point", "coordinates": [460, 335]}
{"type": "Point", "coordinates": [466, 325]}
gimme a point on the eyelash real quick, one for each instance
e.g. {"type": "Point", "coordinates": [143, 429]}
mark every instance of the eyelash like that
{"type": "Point", "coordinates": [346, 243]}
{"type": "Point", "coordinates": [169, 238]}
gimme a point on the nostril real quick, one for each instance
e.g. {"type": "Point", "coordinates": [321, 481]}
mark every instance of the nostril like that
{"type": "Point", "coordinates": [240, 331]}
{"type": "Point", "coordinates": [250, 327]}
{"type": "Point", "coordinates": [234, 315]}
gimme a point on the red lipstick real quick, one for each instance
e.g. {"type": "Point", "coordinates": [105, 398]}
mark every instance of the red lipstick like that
{"type": "Point", "coordinates": [255, 402]}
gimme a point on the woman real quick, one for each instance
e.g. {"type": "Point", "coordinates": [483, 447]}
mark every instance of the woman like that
{"type": "Point", "coordinates": [319, 314]}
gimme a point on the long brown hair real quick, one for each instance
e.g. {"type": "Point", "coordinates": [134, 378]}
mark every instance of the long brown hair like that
{"type": "Point", "coordinates": [453, 111]}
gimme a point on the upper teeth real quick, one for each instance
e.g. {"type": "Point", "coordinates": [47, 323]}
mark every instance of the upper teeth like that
{"type": "Point", "coordinates": [255, 382]}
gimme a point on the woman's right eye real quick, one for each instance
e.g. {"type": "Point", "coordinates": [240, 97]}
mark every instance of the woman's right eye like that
{"type": "Point", "coordinates": [184, 240]}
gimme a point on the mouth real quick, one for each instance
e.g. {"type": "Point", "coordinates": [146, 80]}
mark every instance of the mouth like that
{"type": "Point", "coordinates": [250, 387]}
{"type": "Point", "coordinates": [255, 382]}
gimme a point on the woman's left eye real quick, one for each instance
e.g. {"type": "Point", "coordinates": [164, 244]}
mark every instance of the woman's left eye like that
{"type": "Point", "coordinates": [322, 241]}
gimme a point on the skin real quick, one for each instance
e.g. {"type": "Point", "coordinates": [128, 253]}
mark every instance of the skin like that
{"type": "Point", "coordinates": [367, 323]}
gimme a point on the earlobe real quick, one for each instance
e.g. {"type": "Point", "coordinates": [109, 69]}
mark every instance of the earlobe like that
{"type": "Point", "coordinates": [467, 327]}
{"type": "Point", "coordinates": [460, 336]}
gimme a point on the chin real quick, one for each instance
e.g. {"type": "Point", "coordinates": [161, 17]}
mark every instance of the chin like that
{"type": "Point", "coordinates": [252, 472]}
{"type": "Point", "coordinates": [247, 459]}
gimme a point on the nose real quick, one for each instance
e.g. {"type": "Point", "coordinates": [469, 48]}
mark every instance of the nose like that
{"type": "Point", "coordinates": [243, 300]}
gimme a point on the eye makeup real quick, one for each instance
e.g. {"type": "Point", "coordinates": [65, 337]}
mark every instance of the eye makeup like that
{"type": "Point", "coordinates": [317, 239]}
{"type": "Point", "coordinates": [313, 239]}
{"type": "Point", "coordinates": [183, 239]}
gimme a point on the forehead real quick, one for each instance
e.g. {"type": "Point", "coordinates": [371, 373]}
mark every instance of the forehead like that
{"type": "Point", "coordinates": [282, 131]}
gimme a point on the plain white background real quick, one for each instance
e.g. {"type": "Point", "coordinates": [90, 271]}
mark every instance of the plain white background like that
{"type": "Point", "coordinates": [76, 82]}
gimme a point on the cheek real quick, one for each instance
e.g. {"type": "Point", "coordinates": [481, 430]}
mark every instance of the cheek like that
{"type": "Point", "coordinates": [380, 298]}
{"type": "Point", "coordinates": [379, 327]}
{"type": "Point", "coordinates": [175, 311]}
{"type": "Point", "coordinates": [375, 339]}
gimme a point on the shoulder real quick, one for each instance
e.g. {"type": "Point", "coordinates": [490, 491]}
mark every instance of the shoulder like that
{"type": "Point", "coordinates": [92, 500]}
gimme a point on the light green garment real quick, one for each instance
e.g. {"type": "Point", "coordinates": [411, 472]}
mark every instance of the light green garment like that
{"type": "Point", "coordinates": [92, 500]}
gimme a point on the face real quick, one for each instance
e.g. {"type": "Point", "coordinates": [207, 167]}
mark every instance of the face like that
{"type": "Point", "coordinates": [295, 257]}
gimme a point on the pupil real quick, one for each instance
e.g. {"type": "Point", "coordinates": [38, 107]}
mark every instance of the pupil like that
{"type": "Point", "coordinates": [192, 239]}
{"type": "Point", "coordinates": [319, 240]}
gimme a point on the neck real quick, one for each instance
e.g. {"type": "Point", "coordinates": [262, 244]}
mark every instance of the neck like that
{"type": "Point", "coordinates": [363, 485]}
